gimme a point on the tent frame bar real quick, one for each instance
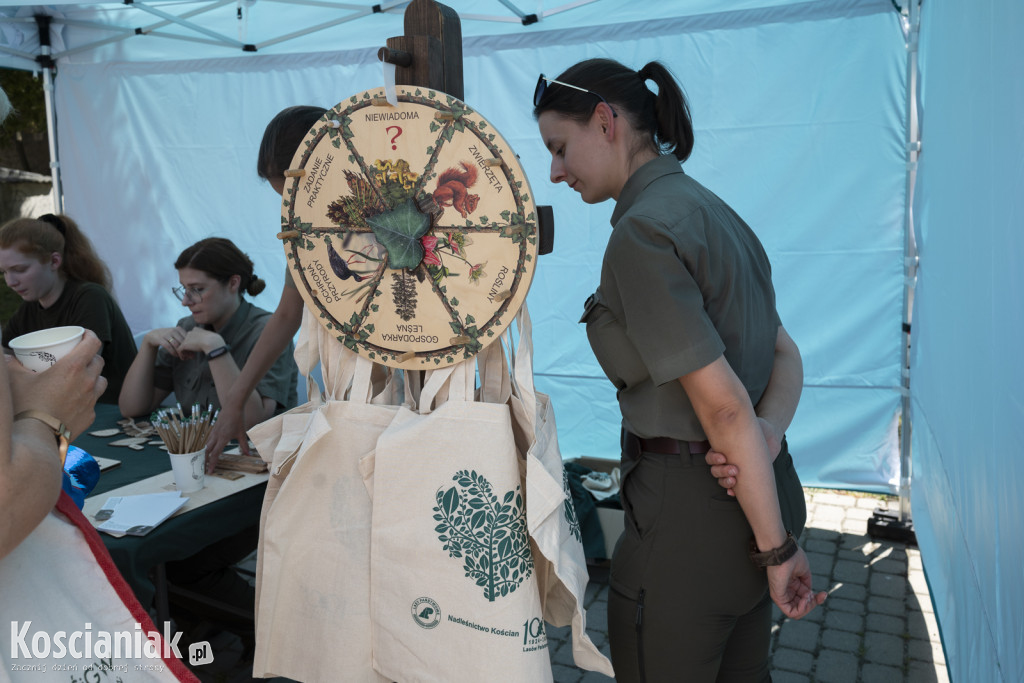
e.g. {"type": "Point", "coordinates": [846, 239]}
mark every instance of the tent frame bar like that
{"type": "Point", "coordinates": [909, 256]}
{"type": "Point", "coordinates": [181, 21]}
{"type": "Point", "coordinates": [884, 523]}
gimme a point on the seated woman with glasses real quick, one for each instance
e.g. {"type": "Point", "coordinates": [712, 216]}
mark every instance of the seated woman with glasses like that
{"type": "Point", "coordinates": [199, 358]}
{"type": "Point", "coordinates": [51, 264]}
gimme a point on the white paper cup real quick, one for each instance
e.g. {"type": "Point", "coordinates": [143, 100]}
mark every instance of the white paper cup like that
{"type": "Point", "coordinates": [38, 350]}
{"type": "Point", "coordinates": [189, 470]}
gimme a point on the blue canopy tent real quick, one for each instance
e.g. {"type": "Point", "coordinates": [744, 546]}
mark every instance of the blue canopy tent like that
{"type": "Point", "coordinates": [805, 123]}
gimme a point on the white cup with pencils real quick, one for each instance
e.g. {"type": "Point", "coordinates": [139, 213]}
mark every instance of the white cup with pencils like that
{"type": "Point", "coordinates": [189, 470]}
{"type": "Point", "coordinates": [185, 437]}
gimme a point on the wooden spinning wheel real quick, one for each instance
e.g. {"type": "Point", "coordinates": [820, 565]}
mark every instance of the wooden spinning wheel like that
{"type": "Point", "coordinates": [411, 230]}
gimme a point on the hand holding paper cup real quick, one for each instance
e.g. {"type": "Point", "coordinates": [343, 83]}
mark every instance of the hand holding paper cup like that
{"type": "Point", "coordinates": [38, 350]}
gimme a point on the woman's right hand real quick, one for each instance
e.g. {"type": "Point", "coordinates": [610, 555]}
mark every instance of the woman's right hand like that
{"type": "Point", "coordinates": [167, 338]}
{"type": "Point", "coordinates": [68, 390]}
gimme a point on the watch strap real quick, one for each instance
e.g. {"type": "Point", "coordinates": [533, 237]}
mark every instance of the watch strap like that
{"type": "Point", "coordinates": [775, 556]}
{"type": "Point", "coordinates": [60, 430]}
{"type": "Point", "coordinates": [218, 352]}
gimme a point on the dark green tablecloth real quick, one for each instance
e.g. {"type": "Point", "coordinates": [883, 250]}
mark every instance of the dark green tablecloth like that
{"type": "Point", "coordinates": [178, 537]}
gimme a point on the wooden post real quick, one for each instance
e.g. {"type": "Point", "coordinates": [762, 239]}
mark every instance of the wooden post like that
{"type": "Point", "coordinates": [430, 53]}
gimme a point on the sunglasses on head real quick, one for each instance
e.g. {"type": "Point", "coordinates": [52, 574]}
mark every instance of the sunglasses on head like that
{"type": "Point", "coordinates": [542, 88]}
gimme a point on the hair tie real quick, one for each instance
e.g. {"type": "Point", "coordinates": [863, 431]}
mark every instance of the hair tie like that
{"type": "Point", "coordinates": [55, 221]}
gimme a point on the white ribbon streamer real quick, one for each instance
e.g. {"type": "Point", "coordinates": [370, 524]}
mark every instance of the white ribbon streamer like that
{"type": "Point", "coordinates": [389, 84]}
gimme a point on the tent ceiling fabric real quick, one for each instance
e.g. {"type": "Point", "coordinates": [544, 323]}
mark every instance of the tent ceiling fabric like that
{"type": "Point", "coordinates": [169, 30]}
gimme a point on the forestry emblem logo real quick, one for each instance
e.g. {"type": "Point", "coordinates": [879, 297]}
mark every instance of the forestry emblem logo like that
{"type": "Point", "coordinates": [426, 613]}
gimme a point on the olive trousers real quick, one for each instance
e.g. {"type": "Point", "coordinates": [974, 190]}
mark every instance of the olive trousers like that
{"type": "Point", "coordinates": [685, 601]}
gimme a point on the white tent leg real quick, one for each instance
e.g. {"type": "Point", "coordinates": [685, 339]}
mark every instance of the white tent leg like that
{"type": "Point", "coordinates": [884, 524]}
{"type": "Point", "coordinates": [51, 133]}
{"type": "Point", "coordinates": [48, 67]}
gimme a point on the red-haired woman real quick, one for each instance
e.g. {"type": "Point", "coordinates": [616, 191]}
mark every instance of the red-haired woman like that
{"type": "Point", "coordinates": [50, 263]}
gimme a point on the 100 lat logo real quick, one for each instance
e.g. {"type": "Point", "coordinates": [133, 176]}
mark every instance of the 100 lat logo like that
{"type": "Point", "coordinates": [534, 637]}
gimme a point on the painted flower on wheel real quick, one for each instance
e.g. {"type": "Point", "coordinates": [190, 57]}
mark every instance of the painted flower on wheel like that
{"type": "Point", "coordinates": [477, 272]}
{"type": "Point", "coordinates": [458, 242]}
{"type": "Point", "coordinates": [430, 256]}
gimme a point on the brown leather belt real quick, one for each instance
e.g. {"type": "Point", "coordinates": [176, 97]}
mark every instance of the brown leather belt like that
{"type": "Point", "coordinates": [667, 446]}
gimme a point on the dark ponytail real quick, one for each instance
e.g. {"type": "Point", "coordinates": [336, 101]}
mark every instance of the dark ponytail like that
{"type": "Point", "coordinates": [671, 111]}
{"type": "Point", "coordinates": [40, 237]}
{"type": "Point", "coordinates": [220, 259]}
{"type": "Point", "coordinates": [663, 120]}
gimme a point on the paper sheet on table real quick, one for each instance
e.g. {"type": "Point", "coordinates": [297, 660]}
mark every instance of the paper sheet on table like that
{"type": "Point", "coordinates": [214, 489]}
{"type": "Point", "coordinates": [138, 515]}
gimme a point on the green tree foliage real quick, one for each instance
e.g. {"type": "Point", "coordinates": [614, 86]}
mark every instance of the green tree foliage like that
{"type": "Point", "coordinates": [25, 90]}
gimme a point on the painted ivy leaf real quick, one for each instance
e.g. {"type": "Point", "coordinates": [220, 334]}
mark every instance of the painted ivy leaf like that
{"type": "Point", "coordinates": [399, 230]}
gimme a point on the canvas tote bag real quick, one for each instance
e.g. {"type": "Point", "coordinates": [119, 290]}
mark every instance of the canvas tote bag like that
{"type": "Point", "coordinates": [554, 528]}
{"type": "Point", "coordinates": [313, 622]}
{"type": "Point", "coordinates": [62, 584]}
{"type": "Point", "coordinates": [454, 594]}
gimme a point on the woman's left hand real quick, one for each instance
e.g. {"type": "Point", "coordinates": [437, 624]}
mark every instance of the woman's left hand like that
{"type": "Point", "coordinates": [199, 340]}
{"type": "Point", "coordinates": [789, 585]}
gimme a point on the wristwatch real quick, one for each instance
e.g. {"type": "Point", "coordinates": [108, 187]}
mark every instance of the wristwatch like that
{"type": "Point", "coordinates": [60, 430]}
{"type": "Point", "coordinates": [775, 556]}
{"type": "Point", "coordinates": [218, 352]}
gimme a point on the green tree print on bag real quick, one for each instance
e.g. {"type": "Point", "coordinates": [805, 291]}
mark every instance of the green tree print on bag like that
{"type": "Point", "coordinates": [570, 509]}
{"type": "Point", "coordinates": [489, 534]}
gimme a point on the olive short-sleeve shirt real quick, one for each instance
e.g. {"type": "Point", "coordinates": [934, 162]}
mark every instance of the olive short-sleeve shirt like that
{"type": "Point", "coordinates": [192, 381]}
{"type": "Point", "coordinates": [684, 280]}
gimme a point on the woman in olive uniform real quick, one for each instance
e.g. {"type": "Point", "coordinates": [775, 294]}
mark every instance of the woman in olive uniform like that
{"type": "Point", "coordinates": [684, 325]}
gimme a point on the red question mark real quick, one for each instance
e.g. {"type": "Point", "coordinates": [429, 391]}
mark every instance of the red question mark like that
{"type": "Point", "coordinates": [395, 136]}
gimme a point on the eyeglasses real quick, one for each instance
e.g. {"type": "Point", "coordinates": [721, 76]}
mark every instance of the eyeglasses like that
{"type": "Point", "coordinates": [542, 88]}
{"type": "Point", "coordinates": [193, 294]}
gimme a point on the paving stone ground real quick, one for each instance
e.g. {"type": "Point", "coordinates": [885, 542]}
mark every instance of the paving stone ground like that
{"type": "Point", "coordinates": [877, 626]}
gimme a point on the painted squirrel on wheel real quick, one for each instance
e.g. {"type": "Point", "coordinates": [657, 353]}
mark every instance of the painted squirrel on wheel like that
{"type": "Point", "coordinates": [453, 189]}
